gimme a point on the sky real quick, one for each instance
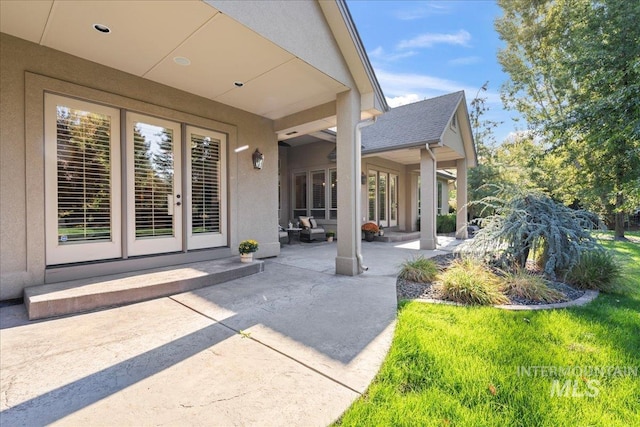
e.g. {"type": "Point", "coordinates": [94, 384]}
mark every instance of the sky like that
{"type": "Point", "coordinates": [423, 49]}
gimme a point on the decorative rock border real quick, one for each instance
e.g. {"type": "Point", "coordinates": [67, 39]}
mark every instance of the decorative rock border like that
{"type": "Point", "coordinates": [584, 299]}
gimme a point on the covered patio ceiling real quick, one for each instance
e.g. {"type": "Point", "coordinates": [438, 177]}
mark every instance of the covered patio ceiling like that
{"type": "Point", "coordinates": [188, 45]}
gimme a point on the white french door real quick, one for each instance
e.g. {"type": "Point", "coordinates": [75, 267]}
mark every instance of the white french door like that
{"type": "Point", "coordinates": [82, 181]}
{"type": "Point", "coordinates": [393, 200]}
{"type": "Point", "coordinates": [206, 170]}
{"type": "Point", "coordinates": [154, 185]}
{"type": "Point", "coordinates": [84, 196]}
{"type": "Point", "coordinates": [383, 198]}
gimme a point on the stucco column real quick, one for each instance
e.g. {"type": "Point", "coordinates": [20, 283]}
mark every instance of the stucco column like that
{"type": "Point", "coordinates": [348, 159]}
{"type": "Point", "coordinates": [461, 199]}
{"type": "Point", "coordinates": [412, 215]}
{"type": "Point", "coordinates": [428, 200]}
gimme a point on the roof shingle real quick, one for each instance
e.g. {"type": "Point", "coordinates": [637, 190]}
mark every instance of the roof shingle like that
{"type": "Point", "coordinates": [411, 125]}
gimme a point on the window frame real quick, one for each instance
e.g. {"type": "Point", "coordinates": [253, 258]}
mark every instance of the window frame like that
{"type": "Point", "coordinates": [328, 212]}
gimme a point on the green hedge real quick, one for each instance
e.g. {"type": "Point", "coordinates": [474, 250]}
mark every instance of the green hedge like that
{"type": "Point", "coordinates": [446, 223]}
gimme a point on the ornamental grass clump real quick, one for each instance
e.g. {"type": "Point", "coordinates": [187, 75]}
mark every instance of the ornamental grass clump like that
{"type": "Point", "coordinates": [469, 281]}
{"type": "Point", "coordinates": [525, 223]}
{"type": "Point", "coordinates": [527, 286]}
{"type": "Point", "coordinates": [596, 269]}
{"type": "Point", "coordinates": [419, 270]}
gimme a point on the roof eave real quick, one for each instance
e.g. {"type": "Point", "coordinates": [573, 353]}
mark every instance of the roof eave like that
{"type": "Point", "coordinates": [422, 144]}
{"type": "Point", "coordinates": [376, 103]}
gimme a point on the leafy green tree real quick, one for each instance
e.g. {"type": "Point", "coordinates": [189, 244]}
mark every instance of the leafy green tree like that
{"type": "Point", "coordinates": [574, 68]}
{"type": "Point", "coordinates": [486, 172]}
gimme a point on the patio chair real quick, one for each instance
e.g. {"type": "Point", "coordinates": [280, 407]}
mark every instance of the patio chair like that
{"type": "Point", "coordinates": [310, 229]}
{"type": "Point", "coordinates": [283, 236]}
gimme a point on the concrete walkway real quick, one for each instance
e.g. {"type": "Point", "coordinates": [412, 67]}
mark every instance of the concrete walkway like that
{"type": "Point", "coordinates": [294, 345]}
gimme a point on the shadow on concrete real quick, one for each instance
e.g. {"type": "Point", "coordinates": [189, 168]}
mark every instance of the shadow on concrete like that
{"type": "Point", "coordinates": [69, 398]}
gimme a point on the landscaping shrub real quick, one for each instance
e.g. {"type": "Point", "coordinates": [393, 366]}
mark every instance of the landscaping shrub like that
{"type": "Point", "coordinates": [419, 270]}
{"type": "Point", "coordinates": [596, 269]}
{"type": "Point", "coordinates": [468, 281]}
{"type": "Point", "coordinates": [446, 223]}
{"type": "Point", "coordinates": [533, 222]}
{"type": "Point", "coordinates": [533, 288]}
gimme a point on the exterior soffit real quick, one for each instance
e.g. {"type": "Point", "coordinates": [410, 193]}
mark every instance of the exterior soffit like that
{"type": "Point", "coordinates": [145, 38]}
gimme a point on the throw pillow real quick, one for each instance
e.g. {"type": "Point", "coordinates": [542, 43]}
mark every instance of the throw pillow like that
{"type": "Point", "coordinates": [304, 222]}
{"type": "Point", "coordinates": [314, 224]}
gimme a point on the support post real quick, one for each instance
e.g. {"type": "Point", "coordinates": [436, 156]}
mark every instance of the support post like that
{"type": "Point", "coordinates": [348, 158]}
{"type": "Point", "coordinates": [461, 199]}
{"type": "Point", "coordinates": [428, 201]}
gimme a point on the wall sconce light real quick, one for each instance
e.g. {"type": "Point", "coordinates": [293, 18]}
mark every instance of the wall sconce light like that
{"type": "Point", "coordinates": [363, 178]}
{"type": "Point", "coordinates": [258, 159]}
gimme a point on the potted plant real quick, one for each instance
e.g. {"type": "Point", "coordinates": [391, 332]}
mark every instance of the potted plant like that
{"type": "Point", "coordinates": [330, 236]}
{"type": "Point", "coordinates": [370, 230]}
{"type": "Point", "coordinates": [246, 249]}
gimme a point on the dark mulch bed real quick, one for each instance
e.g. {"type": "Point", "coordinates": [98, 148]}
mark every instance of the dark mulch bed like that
{"type": "Point", "coordinates": [412, 290]}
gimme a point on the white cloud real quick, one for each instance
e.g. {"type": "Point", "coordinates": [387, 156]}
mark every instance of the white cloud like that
{"type": "Point", "coordinates": [461, 38]}
{"type": "Point", "coordinates": [421, 86]}
{"type": "Point", "coordinates": [421, 11]}
{"type": "Point", "coordinates": [465, 60]}
{"type": "Point", "coordinates": [377, 52]}
{"type": "Point", "coordinates": [397, 101]}
{"type": "Point", "coordinates": [381, 55]}
{"type": "Point", "coordinates": [517, 135]}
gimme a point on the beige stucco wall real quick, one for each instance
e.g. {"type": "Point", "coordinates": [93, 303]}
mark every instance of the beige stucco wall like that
{"type": "Point", "coordinates": [27, 69]}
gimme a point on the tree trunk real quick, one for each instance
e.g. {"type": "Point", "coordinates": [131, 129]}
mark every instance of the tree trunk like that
{"type": "Point", "coordinates": [619, 217]}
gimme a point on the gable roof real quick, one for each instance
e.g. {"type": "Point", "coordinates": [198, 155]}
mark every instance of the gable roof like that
{"type": "Point", "coordinates": [411, 125]}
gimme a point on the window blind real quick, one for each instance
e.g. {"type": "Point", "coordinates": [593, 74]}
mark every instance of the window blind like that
{"type": "Point", "coordinates": [205, 185]}
{"type": "Point", "coordinates": [83, 176]}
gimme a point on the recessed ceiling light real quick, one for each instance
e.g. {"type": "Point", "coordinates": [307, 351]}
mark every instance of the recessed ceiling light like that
{"type": "Point", "coordinates": [181, 60]}
{"type": "Point", "coordinates": [238, 84]}
{"type": "Point", "coordinates": [102, 28]}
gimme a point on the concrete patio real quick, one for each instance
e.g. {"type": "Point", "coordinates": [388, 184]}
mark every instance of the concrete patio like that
{"type": "Point", "coordinates": [293, 345]}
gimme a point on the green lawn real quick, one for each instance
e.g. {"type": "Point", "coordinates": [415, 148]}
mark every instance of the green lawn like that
{"type": "Point", "coordinates": [481, 366]}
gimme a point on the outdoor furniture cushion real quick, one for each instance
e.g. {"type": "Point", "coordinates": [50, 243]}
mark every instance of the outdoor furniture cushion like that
{"type": "Point", "coordinates": [304, 222]}
{"type": "Point", "coordinates": [312, 231]}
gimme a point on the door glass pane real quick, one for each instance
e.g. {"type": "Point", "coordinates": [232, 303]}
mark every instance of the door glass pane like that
{"type": "Point", "coordinates": [205, 184]}
{"type": "Point", "coordinates": [373, 177]}
{"type": "Point", "coordinates": [382, 197]}
{"type": "Point", "coordinates": [153, 168]}
{"type": "Point", "coordinates": [84, 171]}
{"type": "Point", "coordinates": [393, 197]}
{"type": "Point", "coordinates": [440, 198]}
{"type": "Point", "coordinates": [333, 179]}
{"type": "Point", "coordinates": [318, 194]}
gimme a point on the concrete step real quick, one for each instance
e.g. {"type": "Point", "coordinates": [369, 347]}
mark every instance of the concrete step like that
{"type": "Point", "coordinates": [77, 296]}
{"type": "Point", "coordinates": [397, 236]}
